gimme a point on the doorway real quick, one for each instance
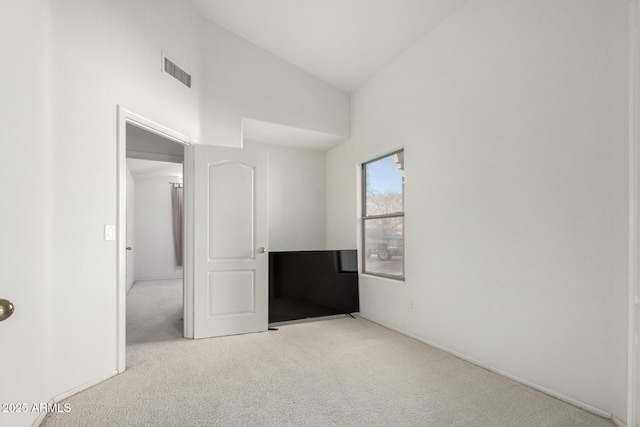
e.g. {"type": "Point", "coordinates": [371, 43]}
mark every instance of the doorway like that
{"type": "Point", "coordinates": [154, 267]}
{"type": "Point", "coordinates": [225, 195]}
{"type": "Point", "coordinates": [146, 143]}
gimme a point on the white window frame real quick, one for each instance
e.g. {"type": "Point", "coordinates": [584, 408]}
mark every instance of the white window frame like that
{"type": "Point", "coordinates": [365, 217]}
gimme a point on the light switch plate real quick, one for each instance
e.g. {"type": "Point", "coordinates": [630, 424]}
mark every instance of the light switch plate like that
{"type": "Point", "coordinates": [109, 232]}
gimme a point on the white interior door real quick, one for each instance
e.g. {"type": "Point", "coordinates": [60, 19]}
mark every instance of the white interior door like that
{"type": "Point", "coordinates": [230, 237]}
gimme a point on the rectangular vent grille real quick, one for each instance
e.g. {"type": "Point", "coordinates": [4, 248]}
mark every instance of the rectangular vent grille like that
{"type": "Point", "coordinates": [177, 72]}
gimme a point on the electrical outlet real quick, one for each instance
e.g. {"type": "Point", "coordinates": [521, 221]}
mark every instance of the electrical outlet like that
{"type": "Point", "coordinates": [412, 305]}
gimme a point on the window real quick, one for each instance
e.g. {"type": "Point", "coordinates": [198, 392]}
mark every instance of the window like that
{"type": "Point", "coordinates": [383, 216]}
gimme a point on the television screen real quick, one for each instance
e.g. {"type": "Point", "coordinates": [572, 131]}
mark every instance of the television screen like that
{"type": "Point", "coordinates": [307, 284]}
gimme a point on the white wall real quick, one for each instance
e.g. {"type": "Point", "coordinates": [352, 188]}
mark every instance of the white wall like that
{"type": "Point", "coordinates": [513, 119]}
{"type": "Point", "coordinates": [242, 80]}
{"type": "Point", "coordinates": [131, 230]}
{"type": "Point", "coordinates": [296, 197]}
{"type": "Point", "coordinates": [106, 53]}
{"type": "Point", "coordinates": [155, 254]}
{"type": "Point", "coordinates": [76, 61]}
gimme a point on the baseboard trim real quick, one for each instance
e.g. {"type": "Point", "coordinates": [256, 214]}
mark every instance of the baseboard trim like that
{"type": "Point", "coordinates": [515, 378]}
{"type": "Point", "coordinates": [71, 392]}
{"type": "Point", "coordinates": [617, 421]}
{"type": "Point", "coordinates": [157, 278]}
{"type": "Point", "coordinates": [40, 419]}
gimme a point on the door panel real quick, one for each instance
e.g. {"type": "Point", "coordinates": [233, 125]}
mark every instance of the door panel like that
{"type": "Point", "coordinates": [231, 293]}
{"type": "Point", "coordinates": [231, 210]}
{"type": "Point", "coordinates": [230, 277]}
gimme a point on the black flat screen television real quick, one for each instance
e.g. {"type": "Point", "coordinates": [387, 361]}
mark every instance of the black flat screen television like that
{"type": "Point", "coordinates": [307, 284]}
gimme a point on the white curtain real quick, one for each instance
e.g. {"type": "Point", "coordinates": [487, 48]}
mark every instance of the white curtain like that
{"type": "Point", "coordinates": [176, 204]}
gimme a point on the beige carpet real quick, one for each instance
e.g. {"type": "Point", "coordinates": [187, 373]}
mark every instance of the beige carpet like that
{"type": "Point", "coordinates": [342, 372]}
{"type": "Point", "coordinates": [154, 311]}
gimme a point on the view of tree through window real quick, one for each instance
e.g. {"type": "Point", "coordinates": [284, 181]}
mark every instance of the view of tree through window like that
{"type": "Point", "coordinates": [383, 216]}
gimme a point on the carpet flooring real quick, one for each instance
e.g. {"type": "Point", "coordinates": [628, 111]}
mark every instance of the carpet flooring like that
{"type": "Point", "coordinates": [340, 372]}
{"type": "Point", "coordinates": [154, 312]}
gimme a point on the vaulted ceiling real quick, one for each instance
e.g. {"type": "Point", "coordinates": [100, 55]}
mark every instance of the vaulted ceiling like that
{"type": "Point", "coordinates": [343, 42]}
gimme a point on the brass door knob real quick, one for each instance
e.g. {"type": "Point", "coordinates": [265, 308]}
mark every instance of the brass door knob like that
{"type": "Point", "coordinates": [262, 250]}
{"type": "Point", "coordinates": [6, 309]}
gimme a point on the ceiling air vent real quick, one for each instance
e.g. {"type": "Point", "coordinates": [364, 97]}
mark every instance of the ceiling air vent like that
{"type": "Point", "coordinates": [171, 68]}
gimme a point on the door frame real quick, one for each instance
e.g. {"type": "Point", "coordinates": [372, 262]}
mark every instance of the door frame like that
{"type": "Point", "coordinates": [634, 213]}
{"type": "Point", "coordinates": [125, 117]}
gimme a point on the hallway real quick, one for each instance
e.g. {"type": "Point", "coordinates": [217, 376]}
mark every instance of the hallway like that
{"type": "Point", "coordinates": [154, 311]}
